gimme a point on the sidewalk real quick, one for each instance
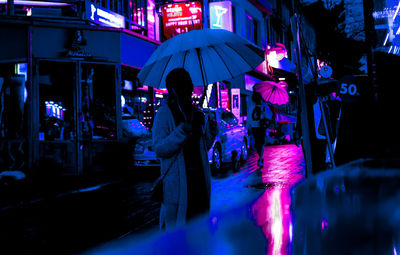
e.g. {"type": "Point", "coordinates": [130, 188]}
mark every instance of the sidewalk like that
{"type": "Point", "coordinates": [34, 189]}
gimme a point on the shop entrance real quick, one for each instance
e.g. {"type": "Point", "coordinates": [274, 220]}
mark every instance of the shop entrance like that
{"type": "Point", "coordinates": [77, 115]}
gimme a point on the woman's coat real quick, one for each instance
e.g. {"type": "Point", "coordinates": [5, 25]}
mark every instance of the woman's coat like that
{"type": "Point", "coordinates": [168, 139]}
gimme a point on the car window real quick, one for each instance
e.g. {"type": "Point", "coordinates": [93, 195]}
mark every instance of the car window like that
{"type": "Point", "coordinates": [134, 128]}
{"type": "Point", "coordinates": [229, 118]}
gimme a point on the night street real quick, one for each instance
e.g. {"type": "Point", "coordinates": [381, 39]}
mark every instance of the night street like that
{"type": "Point", "coordinates": [267, 126]}
{"type": "Point", "coordinates": [77, 220]}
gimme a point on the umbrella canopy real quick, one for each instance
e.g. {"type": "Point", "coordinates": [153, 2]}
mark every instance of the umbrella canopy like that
{"type": "Point", "coordinates": [272, 92]}
{"type": "Point", "coordinates": [209, 55]}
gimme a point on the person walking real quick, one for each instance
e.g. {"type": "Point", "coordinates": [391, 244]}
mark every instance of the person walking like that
{"type": "Point", "coordinates": [258, 126]}
{"type": "Point", "coordinates": [182, 136]}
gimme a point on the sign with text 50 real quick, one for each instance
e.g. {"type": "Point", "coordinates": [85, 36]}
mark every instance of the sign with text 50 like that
{"type": "Point", "coordinates": [351, 87]}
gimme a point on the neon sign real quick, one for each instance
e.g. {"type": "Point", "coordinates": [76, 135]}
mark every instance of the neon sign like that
{"type": "Point", "coordinates": [235, 99]}
{"type": "Point", "coordinates": [180, 18]}
{"type": "Point", "coordinates": [104, 17]}
{"type": "Point", "coordinates": [224, 99]}
{"type": "Point", "coordinates": [221, 15]}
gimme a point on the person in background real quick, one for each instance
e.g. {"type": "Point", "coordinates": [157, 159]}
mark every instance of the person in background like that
{"type": "Point", "coordinates": [182, 136]}
{"type": "Point", "coordinates": [258, 126]}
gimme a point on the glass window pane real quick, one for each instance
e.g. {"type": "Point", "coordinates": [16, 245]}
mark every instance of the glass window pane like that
{"type": "Point", "coordinates": [136, 104]}
{"type": "Point", "coordinates": [56, 101]}
{"type": "Point", "coordinates": [13, 116]}
{"type": "Point", "coordinates": [98, 116]}
{"type": "Point", "coordinates": [229, 118]}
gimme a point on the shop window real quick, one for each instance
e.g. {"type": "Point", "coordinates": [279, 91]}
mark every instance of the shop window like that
{"type": "Point", "coordinates": [13, 112]}
{"type": "Point", "coordinates": [138, 16]}
{"type": "Point", "coordinates": [251, 29]}
{"type": "Point", "coordinates": [137, 101]}
{"type": "Point", "coordinates": [98, 112]}
{"type": "Point", "coordinates": [56, 101]}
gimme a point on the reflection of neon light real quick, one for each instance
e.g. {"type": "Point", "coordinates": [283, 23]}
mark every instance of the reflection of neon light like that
{"type": "Point", "coordinates": [277, 229]}
{"type": "Point", "coordinates": [324, 224]}
{"type": "Point", "coordinates": [272, 210]}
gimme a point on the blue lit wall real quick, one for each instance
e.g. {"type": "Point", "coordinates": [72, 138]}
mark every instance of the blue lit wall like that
{"type": "Point", "coordinates": [387, 25]}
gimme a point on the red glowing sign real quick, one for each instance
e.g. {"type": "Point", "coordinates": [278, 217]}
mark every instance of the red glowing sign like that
{"type": "Point", "coordinates": [181, 18]}
{"type": "Point", "coordinates": [225, 98]}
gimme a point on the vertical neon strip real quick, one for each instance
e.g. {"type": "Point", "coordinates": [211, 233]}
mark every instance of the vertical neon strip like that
{"type": "Point", "coordinates": [397, 11]}
{"type": "Point", "coordinates": [387, 37]}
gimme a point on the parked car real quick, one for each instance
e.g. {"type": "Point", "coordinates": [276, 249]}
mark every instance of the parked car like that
{"type": "Point", "coordinates": [230, 145]}
{"type": "Point", "coordinates": [232, 141]}
{"type": "Point", "coordinates": [143, 155]}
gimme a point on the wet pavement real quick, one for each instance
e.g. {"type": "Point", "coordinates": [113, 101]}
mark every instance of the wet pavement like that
{"type": "Point", "coordinates": [352, 209]}
{"type": "Point", "coordinates": [83, 216]}
{"type": "Point", "coordinates": [250, 213]}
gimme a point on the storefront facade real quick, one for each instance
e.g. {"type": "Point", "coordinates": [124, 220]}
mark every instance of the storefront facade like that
{"type": "Point", "coordinates": [72, 79]}
{"type": "Point", "coordinates": [62, 89]}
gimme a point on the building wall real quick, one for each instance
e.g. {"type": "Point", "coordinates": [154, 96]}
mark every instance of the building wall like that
{"type": "Point", "coordinates": [13, 42]}
{"type": "Point", "coordinates": [243, 7]}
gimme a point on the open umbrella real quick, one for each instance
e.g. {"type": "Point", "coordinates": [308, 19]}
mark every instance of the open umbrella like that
{"type": "Point", "coordinates": [209, 55]}
{"type": "Point", "coordinates": [272, 92]}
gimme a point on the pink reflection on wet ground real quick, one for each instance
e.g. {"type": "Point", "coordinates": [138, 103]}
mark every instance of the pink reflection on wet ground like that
{"type": "Point", "coordinates": [283, 169]}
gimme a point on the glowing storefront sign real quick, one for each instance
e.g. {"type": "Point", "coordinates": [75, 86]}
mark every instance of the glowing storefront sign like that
{"type": "Point", "coordinates": [235, 99]}
{"type": "Point", "coordinates": [221, 15]}
{"type": "Point", "coordinates": [276, 54]}
{"type": "Point", "coordinates": [206, 102]}
{"type": "Point", "coordinates": [104, 17]}
{"type": "Point", "coordinates": [181, 18]}
{"type": "Point", "coordinates": [224, 99]}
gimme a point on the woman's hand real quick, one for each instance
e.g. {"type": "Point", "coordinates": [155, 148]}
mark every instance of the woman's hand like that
{"type": "Point", "coordinates": [187, 127]}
